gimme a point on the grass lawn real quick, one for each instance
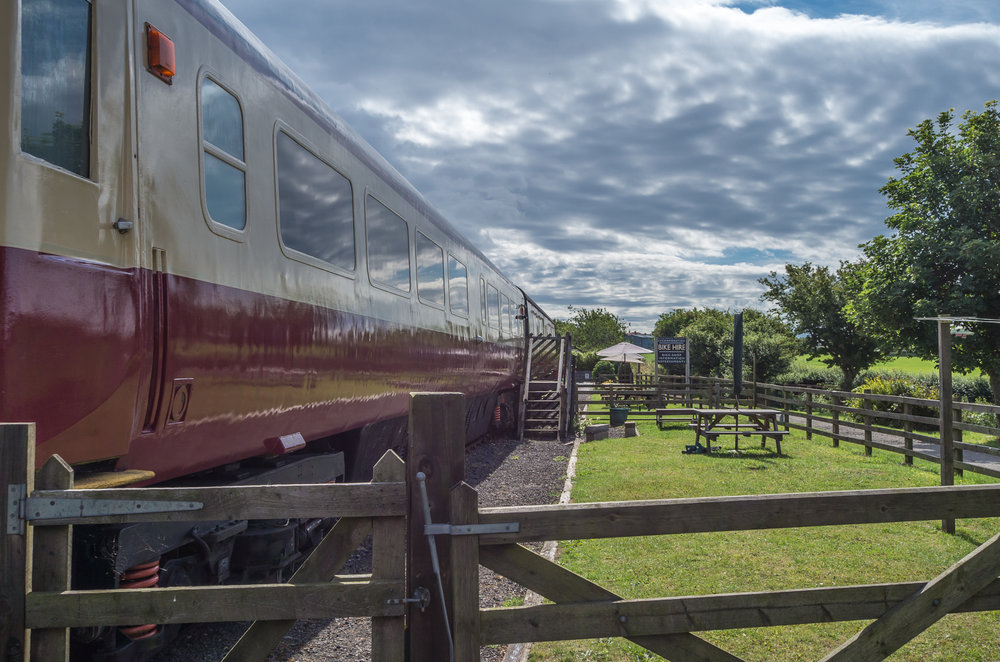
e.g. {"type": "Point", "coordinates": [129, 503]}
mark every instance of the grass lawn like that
{"type": "Point", "coordinates": [652, 466]}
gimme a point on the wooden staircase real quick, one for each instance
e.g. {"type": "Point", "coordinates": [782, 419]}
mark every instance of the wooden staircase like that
{"type": "Point", "coordinates": [547, 393]}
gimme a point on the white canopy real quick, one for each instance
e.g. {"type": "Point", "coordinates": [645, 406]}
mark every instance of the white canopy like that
{"type": "Point", "coordinates": [624, 352]}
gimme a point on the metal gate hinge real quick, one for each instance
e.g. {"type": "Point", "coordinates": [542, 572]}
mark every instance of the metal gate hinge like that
{"type": "Point", "coordinates": [470, 529]}
{"type": "Point", "coordinates": [41, 510]}
{"type": "Point", "coordinates": [15, 508]}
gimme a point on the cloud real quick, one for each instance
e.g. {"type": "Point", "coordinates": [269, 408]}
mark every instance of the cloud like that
{"type": "Point", "coordinates": [641, 155]}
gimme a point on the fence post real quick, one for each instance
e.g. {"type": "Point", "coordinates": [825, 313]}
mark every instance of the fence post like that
{"type": "Point", "coordinates": [809, 415]}
{"type": "Point", "coordinates": [959, 455]}
{"type": "Point", "coordinates": [465, 574]}
{"type": "Point", "coordinates": [388, 562]}
{"type": "Point", "coordinates": [866, 404]}
{"type": "Point", "coordinates": [788, 408]}
{"type": "Point", "coordinates": [51, 559]}
{"type": "Point", "coordinates": [835, 400]}
{"type": "Point", "coordinates": [908, 431]}
{"type": "Point", "coordinates": [17, 464]}
{"type": "Point", "coordinates": [437, 449]}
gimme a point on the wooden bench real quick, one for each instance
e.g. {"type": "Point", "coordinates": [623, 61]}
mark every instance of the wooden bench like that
{"type": "Point", "coordinates": [736, 434]}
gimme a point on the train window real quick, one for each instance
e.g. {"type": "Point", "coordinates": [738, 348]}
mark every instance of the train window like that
{"type": "Point", "coordinates": [505, 313]}
{"type": "Point", "coordinates": [482, 299]}
{"type": "Point", "coordinates": [494, 313]}
{"type": "Point", "coordinates": [315, 205]}
{"type": "Point", "coordinates": [430, 271]}
{"type": "Point", "coordinates": [222, 150]}
{"type": "Point", "coordinates": [388, 246]}
{"type": "Point", "coordinates": [55, 82]}
{"type": "Point", "coordinates": [458, 287]}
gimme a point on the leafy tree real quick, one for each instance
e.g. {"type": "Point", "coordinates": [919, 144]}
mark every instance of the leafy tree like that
{"type": "Point", "coordinates": [813, 300]}
{"type": "Point", "coordinates": [710, 341]}
{"type": "Point", "coordinates": [669, 325]}
{"type": "Point", "coordinates": [943, 258]}
{"type": "Point", "coordinates": [593, 329]}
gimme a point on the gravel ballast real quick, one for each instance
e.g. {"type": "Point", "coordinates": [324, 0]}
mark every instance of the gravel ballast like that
{"type": "Point", "coordinates": [505, 472]}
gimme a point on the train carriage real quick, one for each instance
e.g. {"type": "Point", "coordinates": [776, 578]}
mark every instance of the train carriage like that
{"type": "Point", "coordinates": [203, 267]}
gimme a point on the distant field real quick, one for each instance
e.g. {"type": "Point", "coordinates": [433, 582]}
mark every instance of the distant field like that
{"type": "Point", "coordinates": [908, 364]}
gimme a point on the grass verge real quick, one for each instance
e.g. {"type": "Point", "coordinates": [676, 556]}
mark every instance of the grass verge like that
{"type": "Point", "coordinates": [652, 466]}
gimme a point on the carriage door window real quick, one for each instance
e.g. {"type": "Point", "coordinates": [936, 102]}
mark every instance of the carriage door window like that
{"type": "Point", "coordinates": [494, 307]}
{"type": "Point", "coordinates": [55, 82]}
{"type": "Point", "coordinates": [482, 299]}
{"type": "Point", "coordinates": [458, 287]}
{"type": "Point", "coordinates": [222, 149]}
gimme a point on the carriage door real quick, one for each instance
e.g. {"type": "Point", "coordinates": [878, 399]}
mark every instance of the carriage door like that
{"type": "Point", "coordinates": [192, 183]}
{"type": "Point", "coordinates": [70, 206]}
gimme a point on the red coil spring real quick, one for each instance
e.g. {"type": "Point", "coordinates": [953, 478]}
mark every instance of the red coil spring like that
{"type": "Point", "coordinates": [496, 415]}
{"type": "Point", "coordinates": [144, 575]}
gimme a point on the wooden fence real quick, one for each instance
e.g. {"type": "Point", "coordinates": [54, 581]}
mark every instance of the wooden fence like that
{"type": "Point", "coordinates": [831, 414]}
{"type": "Point", "coordinates": [447, 546]}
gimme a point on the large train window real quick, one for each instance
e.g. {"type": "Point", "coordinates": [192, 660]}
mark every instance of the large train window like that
{"type": "Point", "coordinates": [458, 287]}
{"type": "Point", "coordinates": [388, 246]}
{"type": "Point", "coordinates": [55, 82]}
{"type": "Point", "coordinates": [430, 271]}
{"type": "Point", "coordinates": [223, 162]}
{"type": "Point", "coordinates": [494, 303]}
{"type": "Point", "coordinates": [315, 206]}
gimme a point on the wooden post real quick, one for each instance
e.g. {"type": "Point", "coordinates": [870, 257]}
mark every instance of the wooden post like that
{"type": "Point", "coordinates": [17, 467]}
{"type": "Point", "coordinates": [788, 410]}
{"type": "Point", "coordinates": [437, 449]}
{"type": "Point", "coordinates": [465, 574]}
{"type": "Point", "coordinates": [908, 431]}
{"type": "Point", "coordinates": [809, 416]}
{"type": "Point", "coordinates": [945, 413]}
{"type": "Point", "coordinates": [835, 426]}
{"type": "Point", "coordinates": [866, 404]}
{"type": "Point", "coordinates": [959, 455]}
{"type": "Point", "coordinates": [389, 562]}
{"type": "Point", "coordinates": [52, 559]}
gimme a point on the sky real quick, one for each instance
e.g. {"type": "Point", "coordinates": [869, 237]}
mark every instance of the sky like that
{"type": "Point", "coordinates": [643, 155]}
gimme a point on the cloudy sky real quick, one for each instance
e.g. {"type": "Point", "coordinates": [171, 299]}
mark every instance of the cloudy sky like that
{"type": "Point", "coordinates": [643, 155]}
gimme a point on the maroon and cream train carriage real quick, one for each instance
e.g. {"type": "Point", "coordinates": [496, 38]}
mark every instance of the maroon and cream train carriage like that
{"type": "Point", "coordinates": [202, 266]}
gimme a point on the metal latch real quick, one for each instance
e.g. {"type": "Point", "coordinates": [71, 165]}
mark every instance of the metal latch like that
{"type": "Point", "coordinates": [421, 597]}
{"type": "Point", "coordinates": [40, 510]}
{"type": "Point", "coordinates": [470, 529]}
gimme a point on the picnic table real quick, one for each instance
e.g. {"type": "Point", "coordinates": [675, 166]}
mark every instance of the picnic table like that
{"type": "Point", "coordinates": [714, 423]}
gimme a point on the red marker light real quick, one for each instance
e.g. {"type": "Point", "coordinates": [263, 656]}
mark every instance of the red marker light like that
{"type": "Point", "coordinates": [160, 54]}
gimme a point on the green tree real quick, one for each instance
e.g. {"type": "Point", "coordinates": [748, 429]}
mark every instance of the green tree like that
{"type": "Point", "coordinates": [943, 258]}
{"type": "Point", "coordinates": [710, 341]}
{"type": "Point", "coordinates": [669, 325]}
{"type": "Point", "coordinates": [813, 301]}
{"type": "Point", "coordinates": [593, 329]}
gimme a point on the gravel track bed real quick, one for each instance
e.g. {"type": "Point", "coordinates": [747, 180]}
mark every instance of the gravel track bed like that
{"type": "Point", "coordinates": [505, 471]}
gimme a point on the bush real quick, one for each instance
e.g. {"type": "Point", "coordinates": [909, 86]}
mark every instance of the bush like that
{"type": "Point", "coordinates": [602, 372]}
{"type": "Point", "coordinates": [818, 376]}
{"type": "Point", "coordinates": [898, 384]}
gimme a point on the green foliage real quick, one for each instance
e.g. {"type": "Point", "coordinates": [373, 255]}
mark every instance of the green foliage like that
{"type": "Point", "coordinates": [802, 372]}
{"type": "Point", "coordinates": [586, 360]}
{"type": "Point", "coordinates": [897, 384]}
{"type": "Point", "coordinates": [710, 341]}
{"type": "Point", "coordinates": [593, 329]}
{"type": "Point", "coordinates": [669, 325]}
{"type": "Point", "coordinates": [813, 300]}
{"type": "Point", "coordinates": [603, 371]}
{"type": "Point", "coordinates": [943, 257]}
